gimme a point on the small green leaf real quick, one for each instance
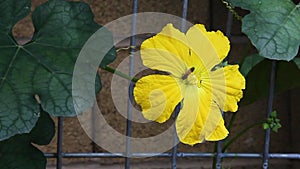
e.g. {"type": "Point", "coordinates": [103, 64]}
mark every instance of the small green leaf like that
{"type": "Point", "coordinates": [273, 26]}
{"type": "Point", "coordinates": [269, 120]}
{"type": "Point", "coordinates": [44, 66]}
{"type": "Point", "coordinates": [275, 129]}
{"type": "Point", "coordinates": [272, 122]}
{"type": "Point", "coordinates": [249, 62]}
{"type": "Point", "coordinates": [273, 114]}
{"type": "Point", "coordinates": [265, 126]}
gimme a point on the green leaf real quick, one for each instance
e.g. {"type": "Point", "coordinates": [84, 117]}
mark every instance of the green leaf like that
{"type": "Point", "coordinates": [18, 152]}
{"type": "Point", "coordinates": [44, 66]}
{"type": "Point", "coordinates": [249, 62]}
{"type": "Point", "coordinates": [265, 126]}
{"type": "Point", "coordinates": [273, 114]}
{"type": "Point", "coordinates": [273, 26]}
{"type": "Point", "coordinates": [272, 122]}
{"type": "Point", "coordinates": [18, 108]}
{"type": "Point", "coordinates": [287, 77]}
{"type": "Point", "coordinates": [11, 12]}
{"type": "Point", "coordinates": [297, 62]}
{"type": "Point", "coordinates": [44, 130]}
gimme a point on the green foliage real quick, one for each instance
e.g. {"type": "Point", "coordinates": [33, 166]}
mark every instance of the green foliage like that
{"type": "Point", "coordinates": [272, 122]}
{"type": "Point", "coordinates": [43, 66]}
{"type": "Point", "coordinates": [257, 72]}
{"type": "Point", "coordinates": [273, 26]}
{"type": "Point", "coordinates": [249, 62]}
{"type": "Point", "coordinates": [18, 151]}
{"type": "Point", "coordinates": [297, 62]}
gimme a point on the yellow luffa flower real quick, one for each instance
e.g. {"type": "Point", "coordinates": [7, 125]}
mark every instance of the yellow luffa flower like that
{"type": "Point", "coordinates": [195, 79]}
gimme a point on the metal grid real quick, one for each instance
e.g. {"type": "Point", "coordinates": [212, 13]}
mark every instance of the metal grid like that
{"type": "Point", "coordinates": [219, 155]}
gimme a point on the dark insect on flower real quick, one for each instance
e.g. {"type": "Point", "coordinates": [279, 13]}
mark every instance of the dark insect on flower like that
{"type": "Point", "coordinates": [187, 73]}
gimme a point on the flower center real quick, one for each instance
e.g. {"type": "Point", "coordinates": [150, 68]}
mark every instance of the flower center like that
{"type": "Point", "coordinates": [189, 78]}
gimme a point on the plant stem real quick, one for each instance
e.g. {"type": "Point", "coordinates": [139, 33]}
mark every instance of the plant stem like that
{"type": "Point", "coordinates": [232, 119]}
{"type": "Point", "coordinates": [121, 74]}
{"type": "Point", "coordinates": [228, 143]}
{"type": "Point", "coordinates": [231, 9]}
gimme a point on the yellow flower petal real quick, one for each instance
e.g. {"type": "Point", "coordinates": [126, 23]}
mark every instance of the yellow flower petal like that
{"type": "Point", "coordinates": [219, 41]}
{"type": "Point", "coordinates": [158, 96]}
{"type": "Point", "coordinates": [235, 82]}
{"type": "Point", "coordinates": [228, 84]}
{"type": "Point", "coordinates": [188, 116]}
{"type": "Point", "coordinates": [211, 47]}
{"type": "Point", "coordinates": [199, 121]}
{"type": "Point", "coordinates": [166, 51]}
{"type": "Point", "coordinates": [219, 133]}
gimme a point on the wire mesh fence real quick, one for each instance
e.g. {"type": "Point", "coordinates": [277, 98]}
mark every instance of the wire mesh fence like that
{"type": "Point", "coordinates": [175, 154]}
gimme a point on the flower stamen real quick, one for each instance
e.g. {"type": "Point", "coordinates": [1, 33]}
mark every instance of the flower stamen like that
{"type": "Point", "coordinates": [187, 73]}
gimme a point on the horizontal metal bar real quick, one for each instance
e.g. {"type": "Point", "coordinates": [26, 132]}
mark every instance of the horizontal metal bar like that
{"type": "Point", "coordinates": [179, 154]}
{"type": "Point", "coordinates": [286, 156]}
{"type": "Point", "coordinates": [86, 155]}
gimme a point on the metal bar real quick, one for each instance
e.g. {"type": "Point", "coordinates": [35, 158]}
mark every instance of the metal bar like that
{"type": "Point", "coordinates": [93, 121]}
{"type": "Point", "coordinates": [184, 15]}
{"type": "Point", "coordinates": [59, 152]}
{"type": "Point", "coordinates": [131, 73]}
{"type": "Point", "coordinates": [219, 155]}
{"type": "Point", "coordinates": [270, 109]}
{"type": "Point", "coordinates": [211, 14]}
{"type": "Point", "coordinates": [179, 155]}
{"type": "Point", "coordinates": [229, 25]}
{"type": "Point", "coordinates": [175, 140]}
{"type": "Point", "coordinates": [174, 151]}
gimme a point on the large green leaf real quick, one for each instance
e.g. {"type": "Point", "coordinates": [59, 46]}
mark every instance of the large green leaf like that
{"type": "Point", "coordinates": [18, 152]}
{"type": "Point", "coordinates": [297, 62]}
{"type": "Point", "coordinates": [11, 12]}
{"type": "Point", "coordinates": [257, 86]}
{"type": "Point", "coordinates": [44, 66]}
{"type": "Point", "coordinates": [273, 26]}
{"type": "Point", "coordinates": [249, 62]}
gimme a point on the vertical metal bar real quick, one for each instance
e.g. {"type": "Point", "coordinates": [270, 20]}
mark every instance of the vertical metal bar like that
{"type": "Point", "coordinates": [59, 143]}
{"type": "Point", "coordinates": [184, 15]}
{"type": "Point", "coordinates": [270, 109]}
{"type": "Point", "coordinates": [229, 25]}
{"type": "Point", "coordinates": [175, 140]}
{"type": "Point", "coordinates": [290, 122]}
{"type": "Point", "coordinates": [211, 14]}
{"type": "Point", "coordinates": [177, 109]}
{"type": "Point", "coordinates": [131, 73]}
{"type": "Point", "coordinates": [219, 155]}
{"type": "Point", "coordinates": [93, 121]}
{"type": "Point", "coordinates": [174, 150]}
